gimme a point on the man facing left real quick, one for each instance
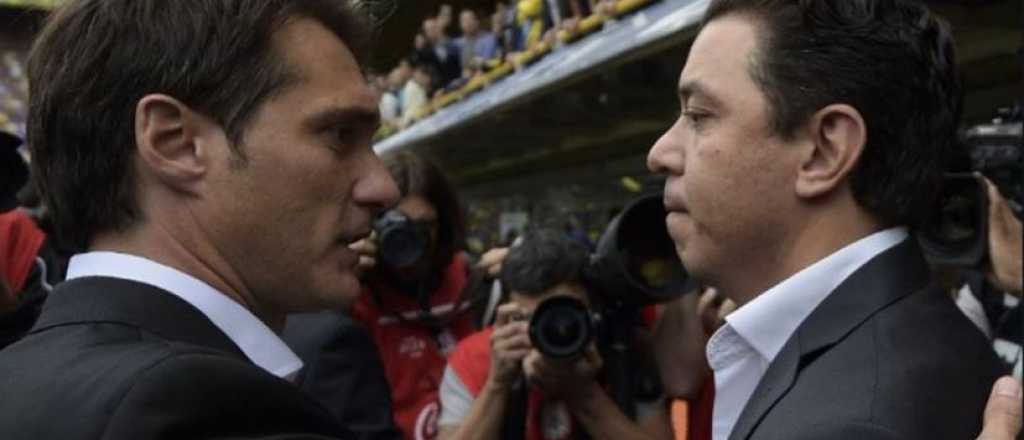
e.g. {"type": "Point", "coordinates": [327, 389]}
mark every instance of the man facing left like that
{"type": "Point", "coordinates": [211, 160]}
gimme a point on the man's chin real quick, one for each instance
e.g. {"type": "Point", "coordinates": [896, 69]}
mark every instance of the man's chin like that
{"type": "Point", "coordinates": [341, 296]}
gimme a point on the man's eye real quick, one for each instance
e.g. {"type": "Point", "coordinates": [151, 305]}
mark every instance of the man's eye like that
{"type": "Point", "coordinates": [694, 117]}
{"type": "Point", "coordinates": [345, 135]}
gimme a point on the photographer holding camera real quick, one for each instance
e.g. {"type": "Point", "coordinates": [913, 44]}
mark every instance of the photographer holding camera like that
{"type": "Point", "coordinates": [487, 371]}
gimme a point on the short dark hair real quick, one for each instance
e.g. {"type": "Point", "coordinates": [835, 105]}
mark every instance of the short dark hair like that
{"type": "Point", "coordinates": [543, 259]}
{"type": "Point", "coordinates": [892, 60]}
{"type": "Point", "coordinates": [95, 59]}
{"type": "Point", "coordinates": [416, 175]}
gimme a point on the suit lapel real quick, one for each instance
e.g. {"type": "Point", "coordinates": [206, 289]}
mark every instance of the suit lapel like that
{"type": "Point", "coordinates": [889, 276]}
{"type": "Point", "coordinates": [111, 300]}
{"type": "Point", "coordinates": [775, 383]}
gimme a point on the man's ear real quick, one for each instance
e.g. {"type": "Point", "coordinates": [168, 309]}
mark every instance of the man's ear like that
{"type": "Point", "coordinates": [166, 139]}
{"type": "Point", "coordinates": [838, 137]}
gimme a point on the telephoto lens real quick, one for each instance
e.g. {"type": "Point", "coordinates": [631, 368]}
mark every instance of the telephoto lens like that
{"type": "Point", "coordinates": [401, 241]}
{"type": "Point", "coordinates": [636, 263]}
{"type": "Point", "coordinates": [561, 327]}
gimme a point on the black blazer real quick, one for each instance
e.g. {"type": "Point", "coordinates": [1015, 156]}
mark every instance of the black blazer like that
{"type": "Point", "coordinates": [343, 371]}
{"type": "Point", "coordinates": [116, 359]}
{"type": "Point", "coordinates": [886, 356]}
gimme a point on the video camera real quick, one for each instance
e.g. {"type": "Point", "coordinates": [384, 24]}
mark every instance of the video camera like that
{"type": "Point", "coordinates": [957, 233]}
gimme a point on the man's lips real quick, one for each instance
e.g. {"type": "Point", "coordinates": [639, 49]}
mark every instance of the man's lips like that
{"type": "Point", "coordinates": [674, 206]}
{"type": "Point", "coordinates": [360, 234]}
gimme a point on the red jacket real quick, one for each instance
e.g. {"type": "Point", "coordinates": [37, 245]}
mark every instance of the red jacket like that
{"type": "Point", "coordinates": [414, 357]}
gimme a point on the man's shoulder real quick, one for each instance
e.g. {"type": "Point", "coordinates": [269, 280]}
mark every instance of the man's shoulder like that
{"type": "Point", "coordinates": [915, 367]}
{"type": "Point", "coordinates": [92, 387]}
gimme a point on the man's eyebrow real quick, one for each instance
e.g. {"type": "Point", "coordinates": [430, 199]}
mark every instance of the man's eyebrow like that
{"type": "Point", "coordinates": [336, 116]}
{"type": "Point", "coordinates": [691, 89]}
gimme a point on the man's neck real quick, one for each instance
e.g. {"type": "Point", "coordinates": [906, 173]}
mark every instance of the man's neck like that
{"type": "Point", "coordinates": [187, 254]}
{"type": "Point", "coordinates": [813, 241]}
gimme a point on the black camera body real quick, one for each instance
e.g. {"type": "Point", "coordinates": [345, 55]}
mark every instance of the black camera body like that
{"type": "Point", "coordinates": [401, 241]}
{"type": "Point", "coordinates": [957, 232]}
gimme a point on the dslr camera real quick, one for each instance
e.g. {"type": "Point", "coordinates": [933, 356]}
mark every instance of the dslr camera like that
{"type": "Point", "coordinates": [401, 241]}
{"type": "Point", "coordinates": [635, 264]}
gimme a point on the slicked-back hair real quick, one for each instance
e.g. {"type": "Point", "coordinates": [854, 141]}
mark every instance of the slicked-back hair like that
{"type": "Point", "coordinates": [892, 60]}
{"type": "Point", "coordinates": [543, 259]}
{"type": "Point", "coordinates": [416, 175]}
{"type": "Point", "coordinates": [95, 59]}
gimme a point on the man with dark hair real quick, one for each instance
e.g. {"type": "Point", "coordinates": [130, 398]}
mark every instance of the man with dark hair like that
{"type": "Point", "coordinates": [211, 161]}
{"type": "Point", "coordinates": [812, 139]}
{"type": "Point", "coordinates": [566, 400]}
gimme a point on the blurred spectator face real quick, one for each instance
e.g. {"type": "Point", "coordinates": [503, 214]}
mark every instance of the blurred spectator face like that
{"type": "Point", "coordinates": [497, 22]}
{"type": "Point", "coordinates": [469, 23]}
{"type": "Point", "coordinates": [310, 184]}
{"type": "Point", "coordinates": [730, 177]}
{"type": "Point", "coordinates": [420, 42]}
{"type": "Point", "coordinates": [422, 77]}
{"type": "Point", "coordinates": [395, 79]}
{"type": "Point", "coordinates": [432, 30]}
{"type": "Point", "coordinates": [404, 70]}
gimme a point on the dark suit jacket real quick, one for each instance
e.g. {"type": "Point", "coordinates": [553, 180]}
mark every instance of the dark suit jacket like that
{"type": "Point", "coordinates": [116, 359]}
{"type": "Point", "coordinates": [343, 371]}
{"type": "Point", "coordinates": [886, 356]}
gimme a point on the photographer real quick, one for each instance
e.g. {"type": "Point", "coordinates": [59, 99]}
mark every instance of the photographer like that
{"type": "Point", "coordinates": [565, 396]}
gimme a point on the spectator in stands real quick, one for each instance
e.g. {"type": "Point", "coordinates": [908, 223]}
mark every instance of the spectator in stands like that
{"type": "Point", "coordinates": [806, 228]}
{"type": "Point", "coordinates": [476, 45]}
{"type": "Point", "coordinates": [445, 51]}
{"type": "Point", "coordinates": [416, 313]}
{"type": "Point", "coordinates": [566, 14]}
{"type": "Point", "coordinates": [214, 179]}
{"type": "Point", "coordinates": [390, 101]}
{"type": "Point", "coordinates": [446, 20]}
{"type": "Point", "coordinates": [504, 29]}
{"type": "Point", "coordinates": [566, 400]}
{"type": "Point", "coordinates": [415, 94]}
{"type": "Point", "coordinates": [532, 21]}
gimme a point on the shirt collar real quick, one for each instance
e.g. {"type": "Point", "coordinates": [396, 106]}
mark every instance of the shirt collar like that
{"type": "Point", "coordinates": [768, 321]}
{"type": "Point", "coordinates": [260, 344]}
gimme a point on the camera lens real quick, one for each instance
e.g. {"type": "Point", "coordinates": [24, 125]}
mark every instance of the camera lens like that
{"type": "Point", "coordinates": [636, 262]}
{"type": "Point", "coordinates": [561, 327]}
{"type": "Point", "coordinates": [401, 241]}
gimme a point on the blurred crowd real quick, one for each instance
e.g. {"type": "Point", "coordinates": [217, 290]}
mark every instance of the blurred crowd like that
{"type": "Point", "coordinates": [13, 92]}
{"type": "Point", "coordinates": [452, 49]}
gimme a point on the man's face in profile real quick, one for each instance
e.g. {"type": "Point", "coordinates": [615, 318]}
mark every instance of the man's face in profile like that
{"type": "Point", "coordinates": [310, 183]}
{"type": "Point", "coordinates": [729, 176]}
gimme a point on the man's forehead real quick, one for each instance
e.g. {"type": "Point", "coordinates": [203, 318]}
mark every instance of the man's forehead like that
{"type": "Point", "coordinates": [319, 58]}
{"type": "Point", "coordinates": [722, 53]}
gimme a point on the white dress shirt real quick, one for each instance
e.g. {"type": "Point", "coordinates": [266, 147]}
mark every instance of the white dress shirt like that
{"type": "Point", "coordinates": [743, 348]}
{"type": "Point", "coordinates": [260, 344]}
